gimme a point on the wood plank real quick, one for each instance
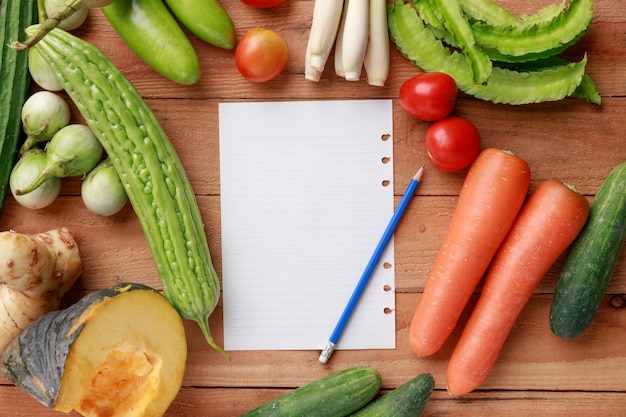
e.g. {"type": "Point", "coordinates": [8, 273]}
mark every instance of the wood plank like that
{"type": "Point", "coordinates": [570, 152]}
{"type": "Point", "coordinates": [114, 249]}
{"type": "Point", "coordinates": [232, 402]}
{"type": "Point", "coordinates": [537, 374]}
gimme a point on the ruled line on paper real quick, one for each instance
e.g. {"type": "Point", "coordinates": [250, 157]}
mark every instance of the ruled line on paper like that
{"type": "Point", "coordinates": [303, 205]}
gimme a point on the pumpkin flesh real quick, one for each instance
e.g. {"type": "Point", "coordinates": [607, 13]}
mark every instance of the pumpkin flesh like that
{"type": "Point", "coordinates": [128, 359]}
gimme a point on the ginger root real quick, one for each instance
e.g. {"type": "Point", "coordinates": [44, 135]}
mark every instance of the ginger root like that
{"type": "Point", "coordinates": [35, 272]}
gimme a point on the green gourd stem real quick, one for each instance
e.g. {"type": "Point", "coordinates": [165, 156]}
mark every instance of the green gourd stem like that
{"type": "Point", "coordinates": [51, 22]}
{"type": "Point", "coordinates": [148, 166]}
{"type": "Point", "coordinates": [418, 44]}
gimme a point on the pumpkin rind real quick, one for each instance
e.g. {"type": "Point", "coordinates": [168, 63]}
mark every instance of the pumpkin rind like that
{"type": "Point", "coordinates": [120, 351]}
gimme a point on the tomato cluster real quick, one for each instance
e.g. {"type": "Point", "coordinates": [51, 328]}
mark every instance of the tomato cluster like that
{"type": "Point", "coordinates": [452, 143]}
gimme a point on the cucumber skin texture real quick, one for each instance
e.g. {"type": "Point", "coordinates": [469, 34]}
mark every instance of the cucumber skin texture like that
{"type": "Point", "coordinates": [589, 265]}
{"type": "Point", "coordinates": [336, 395]}
{"type": "Point", "coordinates": [408, 400]}
{"type": "Point", "coordinates": [207, 19]}
{"type": "Point", "coordinates": [154, 179]}
{"type": "Point", "coordinates": [149, 29]}
{"type": "Point", "coordinates": [15, 16]}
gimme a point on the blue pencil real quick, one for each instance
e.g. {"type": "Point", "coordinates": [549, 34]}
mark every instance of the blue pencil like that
{"type": "Point", "coordinates": [369, 269]}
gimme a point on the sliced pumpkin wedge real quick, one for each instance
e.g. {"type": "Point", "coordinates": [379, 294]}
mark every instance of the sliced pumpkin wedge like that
{"type": "Point", "coordinates": [118, 352]}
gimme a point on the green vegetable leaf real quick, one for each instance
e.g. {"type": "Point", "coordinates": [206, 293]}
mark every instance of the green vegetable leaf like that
{"type": "Point", "coordinates": [450, 14]}
{"type": "Point", "coordinates": [418, 44]}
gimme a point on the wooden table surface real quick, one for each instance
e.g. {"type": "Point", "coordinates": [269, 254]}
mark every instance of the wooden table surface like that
{"type": "Point", "coordinates": [537, 374]}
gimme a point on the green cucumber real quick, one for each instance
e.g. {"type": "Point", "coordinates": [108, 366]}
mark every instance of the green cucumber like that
{"type": "Point", "coordinates": [336, 395]}
{"type": "Point", "coordinates": [207, 19]}
{"type": "Point", "coordinates": [155, 36]}
{"type": "Point", "coordinates": [589, 265]}
{"type": "Point", "coordinates": [408, 400]}
{"type": "Point", "coordinates": [418, 44]}
{"type": "Point", "coordinates": [15, 16]}
{"type": "Point", "coordinates": [152, 174]}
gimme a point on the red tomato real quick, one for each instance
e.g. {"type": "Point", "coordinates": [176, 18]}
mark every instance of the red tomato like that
{"type": "Point", "coordinates": [263, 4]}
{"type": "Point", "coordinates": [430, 96]}
{"type": "Point", "coordinates": [261, 55]}
{"type": "Point", "coordinates": [452, 143]}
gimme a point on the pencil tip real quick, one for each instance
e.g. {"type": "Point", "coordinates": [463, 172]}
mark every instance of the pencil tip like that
{"type": "Point", "coordinates": [420, 172]}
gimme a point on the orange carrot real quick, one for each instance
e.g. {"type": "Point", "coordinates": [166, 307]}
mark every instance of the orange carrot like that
{"type": "Point", "coordinates": [492, 195]}
{"type": "Point", "coordinates": [547, 224]}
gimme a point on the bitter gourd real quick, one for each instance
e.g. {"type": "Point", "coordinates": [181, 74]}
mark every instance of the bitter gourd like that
{"type": "Point", "coordinates": [151, 171]}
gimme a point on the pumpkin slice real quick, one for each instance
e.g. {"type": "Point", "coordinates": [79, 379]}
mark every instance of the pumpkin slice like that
{"type": "Point", "coordinates": [117, 352]}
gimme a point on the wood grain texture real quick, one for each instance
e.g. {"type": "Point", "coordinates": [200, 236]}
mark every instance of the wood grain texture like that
{"type": "Point", "coordinates": [537, 374]}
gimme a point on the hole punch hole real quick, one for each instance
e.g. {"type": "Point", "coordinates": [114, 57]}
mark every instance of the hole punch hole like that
{"type": "Point", "coordinates": [386, 287]}
{"type": "Point", "coordinates": [618, 301]}
{"type": "Point", "coordinates": [385, 183]}
{"type": "Point", "coordinates": [387, 310]}
{"type": "Point", "coordinates": [387, 265]}
{"type": "Point", "coordinates": [385, 159]}
{"type": "Point", "coordinates": [385, 137]}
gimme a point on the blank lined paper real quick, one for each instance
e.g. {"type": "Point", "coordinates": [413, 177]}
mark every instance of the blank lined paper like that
{"type": "Point", "coordinates": [306, 192]}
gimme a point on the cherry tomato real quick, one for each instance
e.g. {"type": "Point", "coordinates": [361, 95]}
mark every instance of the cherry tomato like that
{"type": "Point", "coordinates": [263, 4]}
{"type": "Point", "coordinates": [452, 143]}
{"type": "Point", "coordinates": [261, 55]}
{"type": "Point", "coordinates": [430, 96]}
